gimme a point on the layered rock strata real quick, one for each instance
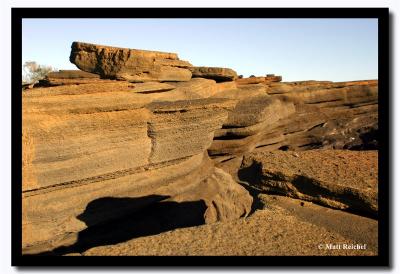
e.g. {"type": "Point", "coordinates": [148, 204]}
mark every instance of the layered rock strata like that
{"type": "Point", "coordinates": [259, 80]}
{"type": "Point", "coordinates": [79, 148]}
{"type": "Point", "coordinates": [304, 116]}
{"type": "Point", "coordinates": [129, 64]}
{"type": "Point", "coordinates": [129, 139]}
{"type": "Point", "coordinates": [215, 73]}
{"type": "Point", "coordinates": [336, 178]}
{"type": "Point", "coordinates": [68, 77]}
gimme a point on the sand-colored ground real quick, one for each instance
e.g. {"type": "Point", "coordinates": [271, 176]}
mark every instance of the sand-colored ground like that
{"type": "Point", "coordinates": [283, 226]}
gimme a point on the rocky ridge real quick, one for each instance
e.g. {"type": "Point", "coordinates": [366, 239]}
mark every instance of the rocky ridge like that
{"type": "Point", "coordinates": [144, 137]}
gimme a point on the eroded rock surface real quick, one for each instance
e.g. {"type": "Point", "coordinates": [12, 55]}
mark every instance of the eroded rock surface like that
{"type": "Point", "coordinates": [82, 147]}
{"type": "Point", "coordinates": [258, 80]}
{"type": "Point", "coordinates": [282, 227]}
{"type": "Point", "coordinates": [218, 74]}
{"type": "Point", "coordinates": [129, 64]}
{"type": "Point", "coordinates": [140, 143]}
{"type": "Point", "coordinates": [305, 115]}
{"type": "Point", "coordinates": [335, 178]}
{"type": "Point", "coordinates": [69, 77]}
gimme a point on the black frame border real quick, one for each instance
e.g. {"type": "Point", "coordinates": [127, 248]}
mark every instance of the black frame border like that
{"type": "Point", "coordinates": [382, 14]}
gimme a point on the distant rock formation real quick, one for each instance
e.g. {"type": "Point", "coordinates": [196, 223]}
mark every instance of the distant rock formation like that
{"type": "Point", "coordinates": [67, 77]}
{"type": "Point", "coordinates": [218, 74]}
{"type": "Point", "coordinates": [257, 80]}
{"type": "Point", "coordinates": [129, 64]}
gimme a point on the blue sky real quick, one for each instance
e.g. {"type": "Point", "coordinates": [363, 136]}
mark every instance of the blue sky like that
{"type": "Point", "coordinates": [296, 49]}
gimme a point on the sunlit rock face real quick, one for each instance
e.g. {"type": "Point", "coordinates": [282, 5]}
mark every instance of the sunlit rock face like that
{"type": "Point", "coordinates": [84, 143]}
{"type": "Point", "coordinates": [299, 116]}
{"type": "Point", "coordinates": [136, 134]}
{"type": "Point", "coordinates": [129, 64]}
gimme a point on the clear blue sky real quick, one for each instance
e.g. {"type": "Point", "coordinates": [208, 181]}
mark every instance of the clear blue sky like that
{"type": "Point", "coordinates": [297, 49]}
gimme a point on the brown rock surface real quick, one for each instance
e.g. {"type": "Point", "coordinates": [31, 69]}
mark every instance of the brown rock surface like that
{"type": "Point", "coordinates": [312, 115]}
{"type": "Point", "coordinates": [215, 73]}
{"type": "Point", "coordinates": [107, 87]}
{"type": "Point", "coordinates": [69, 77]}
{"type": "Point", "coordinates": [281, 228]}
{"type": "Point", "coordinates": [118, 162]}
{"type": "Point", "coordinates": [201, 88]}
{"type": "Point", "coordinates": [335, 178]}
{"type": "Point", "coordinates": [151, 87]}
{"type": "Point", "coordinates": [71, 74]}
{"type": "Point", "coordinates": [245, 127]}
{"type": "Point", "coordinates": [258, 80]}
{"type": "Point", "coordinates": [84, 143]}
{"type": "Point", "coordinates": [360, 229]}
{"type": "Point", "coordinates": [332, 95]}
{"type": "Point", "coordinates": [129, 64]}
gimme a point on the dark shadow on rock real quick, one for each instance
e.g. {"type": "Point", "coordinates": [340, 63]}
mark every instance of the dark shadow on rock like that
{"type": "Point", "coordinates": [254, 192]}
{"type": "Point", "coordinates": [251, 174]}
{"type": "Point", "coordinates": [356, 204]}
{"type": "Point", "coordinates": [368, 139]}
{"type": "Point", "coordinates": [249, 178]}
{"type": "Point", "coordinates": [115, 220]}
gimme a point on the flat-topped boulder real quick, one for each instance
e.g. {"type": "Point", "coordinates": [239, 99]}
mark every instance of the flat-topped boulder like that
{"type": "Point", "coordinates": [218, 74]}
{"type": "Point", "coordinates": [257, 80]}
{"type": "Point", "coordinates": [129, 64]}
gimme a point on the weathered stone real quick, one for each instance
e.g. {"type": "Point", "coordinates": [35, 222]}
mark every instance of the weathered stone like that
{"type": "Point", "coordinates": [53, 82]}
{"type": "Point", "coordinates": [106, 87]}
{"type": "Point", "coordinates": [218, 74]}
{"type": "Point", "coordinates": [335, 178]}
{"type": "Point", "coordinates": [332, 96]}
{"type": "Point", "coordinates": [68, 77]}
{"type": "Point", "coordinates": [225, 199]}
{"type": "Point", "coordinates": [259, 80]}
{"type": "Point", "coordinates": [240, 92]}
{"type": "Point", "coordinates": [129, 64]}
{"type": "Point", "coordinates": [99, 152]}
{"type": "Point", "coordinates": [281, 226]}
{"type": "Point", "coordinates": [71, 74]}
{"type": "Point", "coordinates": [312, 115]}
{"type": "Point", "coordinates": [79, 149]}
{"type": "Point", "coordinates": [254, 110]}
{"type": "Point", "coordinates": [151, 87]}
